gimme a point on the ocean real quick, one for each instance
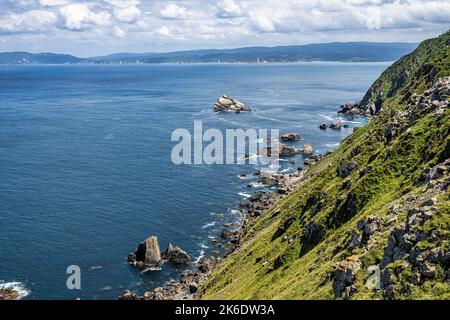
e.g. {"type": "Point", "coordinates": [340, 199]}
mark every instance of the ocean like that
{"type": "Point", "coordinates": [86, 171]}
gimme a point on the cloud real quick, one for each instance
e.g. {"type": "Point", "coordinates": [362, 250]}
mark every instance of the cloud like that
{"type": "Point", "coordinates": [228, 9]}
{"type": "Point", "coordinates": [31, 21]}
{"type": "Point", "coordinates": [53, 3]}
{"type": "Point", "coordinates": [118, 32]}
{"type": "Point", "coordinates": [216, 23]}
{"type": "Point", "coordinates": [173, 11]}
{"type": "Point", "coordinates": [164, 31]}
{"type": "Point", "coordinates": [127, 14]}
{"type": "Point", "coordinates": [79, 16]}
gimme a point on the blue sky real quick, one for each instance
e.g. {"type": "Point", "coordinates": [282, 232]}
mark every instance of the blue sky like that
{"type": "Point", "coordinates": [96, 27]}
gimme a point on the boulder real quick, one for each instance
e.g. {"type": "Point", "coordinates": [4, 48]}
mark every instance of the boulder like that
{"type": "Point", "coordinates": [336, 126]}
{"type": "Point", "coordinates": [307, 149]}
{"type": "Point", "coordinates": [389, 132]}
{"type": "Point", "coordinates": [290, 137]}
{"type": "Point", "coordinates": [9, 294]}
{"type": "Point", "coordinates": [229, 104]}
{"type": "Point", "coordinates": [128, 295]}
{"type": "Point", "coordinates": [288, 151]}
{"type": "Point", "coordinates": [345, 276]}
{"type": "Point", "coordinates": [313, 233]}
{"type": "Point", "coordinates": [148, 252]}
{"type": "Point", "coordinates": [176, 255]}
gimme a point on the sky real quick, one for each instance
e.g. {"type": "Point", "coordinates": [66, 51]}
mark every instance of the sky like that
{"type": "Point", "coordinates": [97, 27]}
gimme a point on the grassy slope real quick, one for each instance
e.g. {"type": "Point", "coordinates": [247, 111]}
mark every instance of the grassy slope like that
{"type": "Point", "coordinates": [268, 267]}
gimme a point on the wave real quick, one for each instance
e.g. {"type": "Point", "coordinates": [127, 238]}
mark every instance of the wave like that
{"type": "Point", "coordinates": [234, 211]}
{"type": "Point", "coordinates": [150, 269]}
{"type": "Point", "coordinates": [19, 287]}
{"type": "Point", "coordinates": [332, 145]}
{"type": "Point", "coordinates": [326, 117]}
{"type": "Point", "coordinates": [201, 255]}
{"type": "Point", "coordinates": [246, 195]}
{"type": "Point", "coordinates": [208, 225]}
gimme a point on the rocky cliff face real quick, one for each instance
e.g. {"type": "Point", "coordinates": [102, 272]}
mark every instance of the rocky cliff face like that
{"type": "Point", "coordinates": [370, 220]}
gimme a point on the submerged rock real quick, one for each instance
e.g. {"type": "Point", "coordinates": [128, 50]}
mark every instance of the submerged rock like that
{"type": "Point", "coordinates": [229, 104]}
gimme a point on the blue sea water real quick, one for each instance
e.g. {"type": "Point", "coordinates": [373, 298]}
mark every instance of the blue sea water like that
{"type": "Point", "coordinates": [86, 172]}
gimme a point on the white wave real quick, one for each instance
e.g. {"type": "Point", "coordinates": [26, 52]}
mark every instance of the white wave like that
{"type": "Point", "coordinates": [208, 225]}
{"type": "Point", "coordinates": [326, 117]}
{"type": "Point", "coordinates": [107, 288]}
{"type": "Point", "coordinates": [201, 255]}
{"type": "Point", "coordinates": [256, 185]}
{"type": "Point", "coordinates": [234, 211]}
{"type": "Point", "coordinates": [350, 121]}
{"type": "Point", "coordinates": [246, 195]}
{"type": "Point", "coordinates": [96, 268]}
{"type": "Point", "coordinates": [203, 246]}
{"type": "Point", "coordinates": [150, 269]}
{"type": "Point", "coordinates": [332, 145]}
{"type": "Point", "coordinates": [19, 287]}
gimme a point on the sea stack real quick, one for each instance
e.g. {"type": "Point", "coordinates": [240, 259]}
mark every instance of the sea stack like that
{"type": "Point", "coordinates": [147, 253]}
{"type": "Point", "coordinates": [229, 104]}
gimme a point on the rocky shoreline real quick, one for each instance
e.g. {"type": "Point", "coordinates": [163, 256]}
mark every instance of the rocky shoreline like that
{"type": "Point", "coordinates": [258, 203]}
{"type": "Point", "coordinates": [192, 279]}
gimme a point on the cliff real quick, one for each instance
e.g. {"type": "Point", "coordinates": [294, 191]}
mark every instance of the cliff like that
{"type": "Point", "coordinates": [370, 220]}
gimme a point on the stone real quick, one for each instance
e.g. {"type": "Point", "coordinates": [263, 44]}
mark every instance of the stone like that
{"type": "Point", "coordinates": [148, 252]}
{"type": "Point", "coordinates": [307, 149]}
{"type": "Point", "coordinates": [244, 204]}
{"type": "Point", "coordinates": [229, 104]}
{"type": "Point", "coordinates": [290, 137]}
{"type": "Point", "coordinates": [176, 255]}
{"type": "Point", "coordinates": [193, 288]}
{"type": "Point", "coordinates": [128, 295]}
{"type": "Point", "coordinates": [313, 233]}
{"type": "Point", "coordinates": [389, 132]}
{"type": "Point", "coordinates": [9, 294]}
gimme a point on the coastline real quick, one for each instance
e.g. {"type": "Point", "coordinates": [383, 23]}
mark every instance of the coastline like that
{"type": "Point", "coordinates": [188, 287]}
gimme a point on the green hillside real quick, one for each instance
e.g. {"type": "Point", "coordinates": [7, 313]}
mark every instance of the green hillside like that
{"type": "Point", "coordinates": [381, 199]}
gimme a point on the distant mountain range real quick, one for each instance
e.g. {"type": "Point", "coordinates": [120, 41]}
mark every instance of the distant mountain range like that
{"type": "Point", "coordinates": [336, 51]}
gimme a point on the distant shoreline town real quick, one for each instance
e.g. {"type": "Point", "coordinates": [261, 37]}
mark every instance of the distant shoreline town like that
{"type": "Point", "coordinates": [333, 52]}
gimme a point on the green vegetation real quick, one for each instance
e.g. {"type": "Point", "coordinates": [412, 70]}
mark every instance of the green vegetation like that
{"type": "Point", "coordinates": [378, 176]}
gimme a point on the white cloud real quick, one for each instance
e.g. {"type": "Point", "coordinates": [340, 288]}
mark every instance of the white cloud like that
{"type": "Point", "coordinates": [127, 14]}
{"type": "Point", "coordinates": [31, 21]}
{"type": "Point", "coordinates": [53, 3]}
{"type": "Point", "coordinates": [204, 23]}
{"type": "Point", "coordinates": [173, 11]}
{"type": "Point", "coordinates": [79, 16]}
{"type": "Point", "coordinates": [164, 31]}
{"type": "Point", "coordinates": [118, 32]}
{"type": "Point", "coordinates": [228, 9]}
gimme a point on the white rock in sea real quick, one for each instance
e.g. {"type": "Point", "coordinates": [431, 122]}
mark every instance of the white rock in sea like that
{"type": "Point", "coordinates": [229, 104]}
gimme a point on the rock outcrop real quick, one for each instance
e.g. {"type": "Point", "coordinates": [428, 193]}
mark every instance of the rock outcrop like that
{"type": "Point", "coordinates": [9, 294]}
{"type": "Point", "coordinates": [184, 289]}
{"type": "Point", "coordinates": [307, 149]}
{"type": "Point", "coordinates": [176, 255]}
{"type": "Point", "coordinates": [229, 104]}
{"type": "Point", "coordinates": [148, 254]}
{"type": "Point", "coordinates": [290, 137]}
{"type": "Point", "coordinates": [344, 277]}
